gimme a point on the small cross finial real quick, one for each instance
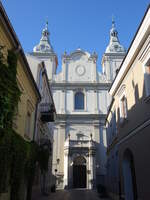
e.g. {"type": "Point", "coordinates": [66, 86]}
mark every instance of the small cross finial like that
{"type": "Point", "coordinates": [113, 21]}
{"type": "Point", "coordinates": [46, 23]}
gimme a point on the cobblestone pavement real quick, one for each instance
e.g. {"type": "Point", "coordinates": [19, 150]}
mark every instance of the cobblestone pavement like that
{"type": "Point", "coordinates": [73, 195]}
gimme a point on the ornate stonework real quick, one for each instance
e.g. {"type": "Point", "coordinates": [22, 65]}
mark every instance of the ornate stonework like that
{"type": "Point", "coordinates": [44, 46]}
{"type": "Point", "coordinates": [114, 44]}
{"type": "Point", "coordinates": [80, 70]}
{"type": "Point", "coordinates": [84, 132]}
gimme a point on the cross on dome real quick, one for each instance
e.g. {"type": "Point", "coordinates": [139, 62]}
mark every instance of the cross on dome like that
{"type": "Point", "coordinates": [44, 46]}
{"type": "Point", "coordinates": [114, 44]}
{"type": "Point", "coordinates": [113, 31]}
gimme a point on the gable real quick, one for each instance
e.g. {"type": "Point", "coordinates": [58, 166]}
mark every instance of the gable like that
{"type": "Point", "coordinates": [79, 67]}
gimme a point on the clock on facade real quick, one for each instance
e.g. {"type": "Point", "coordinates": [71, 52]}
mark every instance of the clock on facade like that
{"type": "Point", "coordinates": [80, 70]}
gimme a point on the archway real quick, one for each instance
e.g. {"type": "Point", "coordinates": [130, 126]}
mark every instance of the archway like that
{"type": "Point", "coordinates": [79, 172]}
{"type": "Point", "coordinates": [129, 176]}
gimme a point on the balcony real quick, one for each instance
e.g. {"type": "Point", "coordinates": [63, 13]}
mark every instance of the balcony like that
{"type": "Point", "coordinates": [79, 144]}
{"type": "Point", "coordinates": [47, 112]}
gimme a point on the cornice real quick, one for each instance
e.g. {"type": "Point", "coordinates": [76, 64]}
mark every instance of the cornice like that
{"type": "Point", "coordinates": [92, 118]}
{"type": "Point", "coordinates": [115, 54]}
{"type": "Point", "coordinates": [45, 54]}
{"type": "Point", "coordinates": [79, 84]}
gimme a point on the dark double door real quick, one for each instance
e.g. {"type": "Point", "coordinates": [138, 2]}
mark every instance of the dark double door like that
{"type": "Point", "coordinates": [79, 176]}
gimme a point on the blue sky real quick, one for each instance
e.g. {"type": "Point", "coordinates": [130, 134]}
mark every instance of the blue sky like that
{"type": "Point", "coordinates": [75, 23]}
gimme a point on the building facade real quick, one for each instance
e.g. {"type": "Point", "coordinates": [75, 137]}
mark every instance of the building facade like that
{"type": "Point", "coordinates": [45, 116]}
{"type": "Point", "coordinates": [24, 122]}
{"type": "Point", "coordinates": [81, 98]}
{"type": "Point", "coordinates": [128, 123]}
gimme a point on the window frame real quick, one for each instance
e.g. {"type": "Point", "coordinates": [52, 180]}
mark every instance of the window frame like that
{"type": "Point", "coordinates": [123, 114]}
{"type": "Point", "coordinates": [29, 111]}
{"type": "Point", "coordinates": [85, 100]}
{"type": "Point", "coordinates": [79, 109]}
{"type": "Point", "coordinates": [28, 125]}
{"type": "Point", "coordinates": [147, 79]}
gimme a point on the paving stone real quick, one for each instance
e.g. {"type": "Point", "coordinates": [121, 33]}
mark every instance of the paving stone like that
{"type": "Point", "coordinates": [76, 194]}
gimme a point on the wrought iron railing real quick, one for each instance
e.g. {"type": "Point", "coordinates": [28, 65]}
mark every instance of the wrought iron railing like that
{"type": "Point", "coordinates": [47, 112]}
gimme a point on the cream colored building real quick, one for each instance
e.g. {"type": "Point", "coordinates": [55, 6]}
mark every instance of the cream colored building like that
{"type": "Point", "coordinates": [44, 122]}
{"type": "Point", "coordinates": [24, 122]}
{"type": "Point", "coordinates": [128, 121]}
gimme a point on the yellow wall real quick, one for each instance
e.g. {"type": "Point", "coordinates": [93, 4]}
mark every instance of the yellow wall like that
{"type": "Point", "coordinates": [134, 89]}
{"type": "Point", "coordinates": [28, 91]}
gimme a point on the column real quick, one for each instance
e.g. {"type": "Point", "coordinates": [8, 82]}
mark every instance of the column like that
{"type": "Point", "coordinates": [92, 167]}
{"type": "Point", "coordinates": [60, 155]}
{"type": "Point", "coordinates": [94, 72]}
{"type": "Point", "coordinates": [91, 171]}
{"type": "Point", "coordinates": [66, 168]}
{"type": "Point", "coordinates": [64, 71]}
{"type": "Point", "coordinates": [63, 101]}
{"type": "Point", "coordinates": [94, 59]}
{"type": "Point", "coordinates": [98, 148]}
{"type": "Point", "coordinates": [62, 131]}
{"type": "Point", "coordinates": [70, 170]}
{"type": "Point", "coordinates": [97, 131]}
{"type": "Point", "coordinates": [103, 147]}
{"type": "Point", "coordinates": [108, 68]}
{"type": "Point", "coordinates": [96, 110]}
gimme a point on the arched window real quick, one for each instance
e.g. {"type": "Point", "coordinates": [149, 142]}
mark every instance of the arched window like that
{"type": "Point", "coordinates": [79, 101]}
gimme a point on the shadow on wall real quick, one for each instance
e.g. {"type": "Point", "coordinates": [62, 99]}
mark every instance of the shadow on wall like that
{"type": "Point", "coordinates": [130, 163]}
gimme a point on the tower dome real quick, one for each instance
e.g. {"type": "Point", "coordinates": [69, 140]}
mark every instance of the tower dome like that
{"type": "Point", "coordinates": [44, 46]}
{"type": "Point", "coordinates": [114, 44]}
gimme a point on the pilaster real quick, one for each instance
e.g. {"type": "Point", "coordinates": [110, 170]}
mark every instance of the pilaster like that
{"type": "Point", "coordinates": [66, 167]}
{"type": "Point", "coordinates": [61, 141]}
{"type": "Point", "coordinates": [92, 166]}
{"type": "Point", "coordinates": [94, 59]}
{"type": "Point", "coordinates": [63, 101]}
{"type": "Point", "coordinates": [64, 68]}
{"type": "Point", "coordinates": [96, 110]}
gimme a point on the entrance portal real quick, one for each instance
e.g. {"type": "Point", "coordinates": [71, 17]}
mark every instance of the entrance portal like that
{"type": "Point", "coordinates": [129, 176]}
{"type": "Point", "coordinates": [79, 172]}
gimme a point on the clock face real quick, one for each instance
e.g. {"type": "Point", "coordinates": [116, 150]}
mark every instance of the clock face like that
{"type": "Point", "coordinates": [80, 70]}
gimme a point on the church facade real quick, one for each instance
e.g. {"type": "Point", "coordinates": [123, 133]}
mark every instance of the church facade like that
{"type": "Point", "coordinates": [81, 98]}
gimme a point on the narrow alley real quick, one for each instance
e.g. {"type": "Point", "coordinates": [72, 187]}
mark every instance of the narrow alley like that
{"type": "Point", "coordinates": [76, 194]}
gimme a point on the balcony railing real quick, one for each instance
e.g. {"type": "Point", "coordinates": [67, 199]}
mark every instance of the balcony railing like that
{"type": "Point", "coordinates": [81, 143]}
{"type": "Point", "coordinates": [47, 112]}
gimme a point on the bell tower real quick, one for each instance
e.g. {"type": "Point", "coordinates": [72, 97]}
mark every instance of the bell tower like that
{"type": "Point", "coordinates": [113, 55]}
{"type": "Point", "coordinates": [44, 51]}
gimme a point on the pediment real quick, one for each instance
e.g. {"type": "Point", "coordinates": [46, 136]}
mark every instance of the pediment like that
{"type": "Point", "coordinates": [78, 54]}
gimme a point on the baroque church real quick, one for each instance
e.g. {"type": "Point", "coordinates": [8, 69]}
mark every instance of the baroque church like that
{"type": "Point", "coordinates": [81, 98]}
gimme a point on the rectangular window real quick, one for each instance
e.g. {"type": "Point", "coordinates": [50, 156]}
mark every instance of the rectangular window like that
{"type": "Point", "coordinates": [28, 125]}
{"type": "Point", "coordinates": [123, 107]}
{"type": "Point", "coordinates": [147, 78]}
{"type": "Point", "coordinates": [79, 101]}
